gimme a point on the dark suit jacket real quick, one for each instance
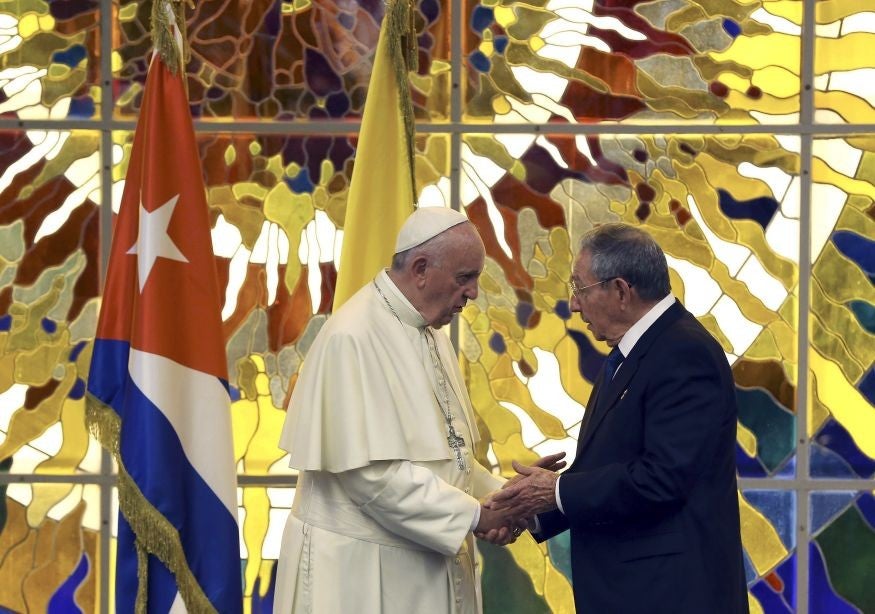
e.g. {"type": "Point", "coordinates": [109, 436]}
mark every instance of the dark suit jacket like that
{"type": "Point", "coordinates": [651, 497]}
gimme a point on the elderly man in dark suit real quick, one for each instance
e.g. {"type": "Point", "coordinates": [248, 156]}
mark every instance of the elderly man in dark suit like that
{"type": "Point", "coordinates": [651, 498]}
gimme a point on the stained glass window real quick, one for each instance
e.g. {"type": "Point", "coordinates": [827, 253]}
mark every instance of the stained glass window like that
{"type": "Point", "coordinates": [51, 553]}
{"type": "Point", "coordinates": [49, 60]}
{"type": "Point", "coordinates": [721, 207]}
{"type": "Point", "coordinates": [588, 61]}
{"type": "Point", "coordinates": [842, 546]}
{"type": "Point", "coordinates": [304, 59]}
{"type": "Point", "coordinates": [769, 521]}
{"type": "Point", "coordinates": [841, 354]}
{"type": "Point", "coordinates": [843, 66]}
{"type": "Point", "coordinates": [739, 134]}
{"type": "Point", "coordinates": [49, 224]}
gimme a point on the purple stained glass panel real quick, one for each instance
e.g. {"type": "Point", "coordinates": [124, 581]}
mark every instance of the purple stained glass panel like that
{"type": "Point", "coordinates": [285, 60]}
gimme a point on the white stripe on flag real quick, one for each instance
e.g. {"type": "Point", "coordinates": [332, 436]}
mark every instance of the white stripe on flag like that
{"type": "Point", "coordinates": [197, 406]}
{"type": "Point", "coordinates": [178, 606]}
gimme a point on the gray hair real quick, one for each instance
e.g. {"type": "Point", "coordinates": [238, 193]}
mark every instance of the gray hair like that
{"type": "Point", "coordinates": [434, 249]}
{"type": "Point", "coordinates": [620, 250]}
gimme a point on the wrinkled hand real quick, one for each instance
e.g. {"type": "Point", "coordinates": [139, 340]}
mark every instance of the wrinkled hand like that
{"type": "Point", "coordinates": [551, 462]}
{"type": "Point", "coordinates": [533, 493]}
{"type": "Point", "coordinates": [505, 535]}
{"type": "Point", "coordinates": [510, 523]}
{"type": "Point", "coordinates": [498, 527]}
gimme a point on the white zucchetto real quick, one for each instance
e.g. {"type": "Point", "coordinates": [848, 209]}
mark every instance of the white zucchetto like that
{"type": "Point", "coordinates": [426, 223]}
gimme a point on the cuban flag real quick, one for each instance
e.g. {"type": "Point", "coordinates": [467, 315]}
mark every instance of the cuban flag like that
{"type": "Point", "coordinates": [158, 384]}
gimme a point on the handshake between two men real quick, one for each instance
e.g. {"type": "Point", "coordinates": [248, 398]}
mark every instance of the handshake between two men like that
{"type": "Point", "coordinates": [506, 513]}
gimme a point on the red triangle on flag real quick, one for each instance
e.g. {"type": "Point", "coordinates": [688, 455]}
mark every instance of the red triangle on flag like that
{"type": "Point", "coordinates": [161, 291]}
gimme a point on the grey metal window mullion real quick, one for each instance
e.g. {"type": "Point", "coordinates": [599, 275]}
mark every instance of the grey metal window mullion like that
{"type": "Point", "coordinates": [84, 479]}
{"type": "Point", "coordinates": [106, 489]}
{"type": "Point", "coordinates": [456, 127]}
{"type": "Point", "coordinates": [106, 116]}
{"type": "Point", "coordinates": [294, 127]}
{"type": "Point", "coordinates": [804, 483]}
{"type": "Point", "coordinates": [107, 478]}
{"type": "Point", "coordinates": [807, 130]}
{"type": "Point", "coordinates": [272, 481]}
{"type": "Point", "coordinates": [803, 473]}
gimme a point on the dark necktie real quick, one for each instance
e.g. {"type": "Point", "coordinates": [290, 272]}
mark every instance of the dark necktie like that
{"type": "Point", "coordinates": [612, 363]}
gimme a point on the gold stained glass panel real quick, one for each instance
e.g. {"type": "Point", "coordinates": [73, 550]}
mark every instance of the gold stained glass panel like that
{"type": "Point", "coordinates": [724, 208]}
{"type": "Point", "coordinates": [49, 277]}
{"type": "Point", "coordinates": [50, 547]}
{"type": "Point", "coordinates": [843, 66]}
{"type": "Point", "coordinates": [768, 523]}
{"type": "Point", "coordinates": [262, 514]}
{"type": "Point", "coordinates": [841, 417]}
{"type": "Point", "coordinates": [49, 60]}
{"type": "Point", "coordinates": [625, 61]}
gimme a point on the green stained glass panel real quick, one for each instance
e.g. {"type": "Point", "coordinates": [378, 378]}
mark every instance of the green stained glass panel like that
{"type": "Point", "coordinates": [843, 65]}
{"type": "Point", "coordinates": [842, 551]}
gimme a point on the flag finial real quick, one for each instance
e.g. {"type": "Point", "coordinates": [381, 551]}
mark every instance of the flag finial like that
{"type": "Point", "coordinates": [400, 26]}
{"type": "Point", "coordinates": [168, 32]}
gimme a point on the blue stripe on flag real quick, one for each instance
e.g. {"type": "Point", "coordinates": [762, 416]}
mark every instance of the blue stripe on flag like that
{"type": "Point", "coordinates": [152, 454]}
{"type": "Point", "coordinates": [171, 484]}
{"type": "Point", "coordinates": [162, 586]}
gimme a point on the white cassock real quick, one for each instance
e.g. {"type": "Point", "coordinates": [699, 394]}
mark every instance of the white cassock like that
{"type": "Point", "coordinates": [382, 516]}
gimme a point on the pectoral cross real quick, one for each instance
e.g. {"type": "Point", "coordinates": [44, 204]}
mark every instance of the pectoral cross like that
{"type": "Point", "coordinates": [456, 443]}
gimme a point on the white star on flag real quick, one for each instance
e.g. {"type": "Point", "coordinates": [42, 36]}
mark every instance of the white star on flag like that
{"type": "Point", "coordinates": [153, 242]}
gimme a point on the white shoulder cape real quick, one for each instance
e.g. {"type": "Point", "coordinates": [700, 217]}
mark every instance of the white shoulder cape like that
{"type": "Point", "coordinates": [363, 394]}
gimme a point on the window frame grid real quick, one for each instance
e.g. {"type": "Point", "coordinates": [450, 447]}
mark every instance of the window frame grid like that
{"type": "Point", "coordinates": [803, 484]}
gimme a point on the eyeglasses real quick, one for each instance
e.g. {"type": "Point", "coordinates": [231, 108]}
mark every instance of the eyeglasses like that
{"type": "Point", "coordinates": [579, 290]}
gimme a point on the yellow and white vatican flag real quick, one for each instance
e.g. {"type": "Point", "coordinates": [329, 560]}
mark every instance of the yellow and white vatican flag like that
{"type": "Point", "coordinates": [382, 191]}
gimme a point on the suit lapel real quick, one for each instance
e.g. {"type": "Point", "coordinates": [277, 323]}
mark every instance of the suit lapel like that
{"type": "Point", "coordinates": [591, 404]}
{"type": "Point", "coordinates": [606, 394]}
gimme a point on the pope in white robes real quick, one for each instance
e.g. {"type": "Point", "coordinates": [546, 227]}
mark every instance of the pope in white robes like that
{"type": "Point", "coordinates": [381, 427]}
